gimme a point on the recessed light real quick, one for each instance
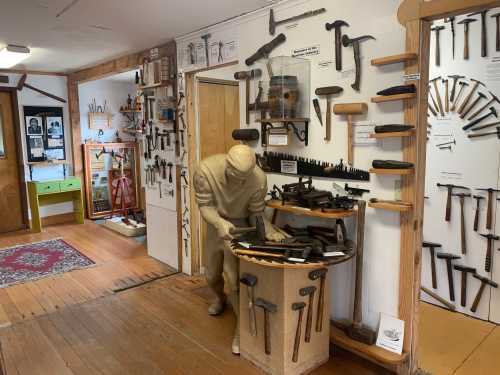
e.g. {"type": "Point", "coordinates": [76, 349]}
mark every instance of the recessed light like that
{"type": "Point", "coordinates": [12, 55]}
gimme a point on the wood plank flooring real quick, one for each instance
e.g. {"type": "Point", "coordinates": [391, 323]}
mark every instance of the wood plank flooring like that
{"type": "Point", "coordinates": [120, 262]}
{"type": "Point", "coordinates": [74, 324]}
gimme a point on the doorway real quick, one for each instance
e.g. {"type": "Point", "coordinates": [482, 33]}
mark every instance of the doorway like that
{"type": "Point", "coordinates": [218, 116]}
{"type": "Point", "coordinates": [12, 200]}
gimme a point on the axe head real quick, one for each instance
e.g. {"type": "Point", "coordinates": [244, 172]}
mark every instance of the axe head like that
{"type": "Point", "coordinates": [272, 23]}
{"type": "Point", "coordinates": [248, 279]}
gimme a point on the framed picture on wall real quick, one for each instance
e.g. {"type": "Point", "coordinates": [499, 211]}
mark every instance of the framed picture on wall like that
{"type": "Point", "coordinates": [44, 128]}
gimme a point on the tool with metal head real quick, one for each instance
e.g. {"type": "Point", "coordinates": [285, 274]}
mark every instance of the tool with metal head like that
{"type": "Point", "coordinates": [308, 292]}
{"type": "Point", "coordinates": [438, 95]}
{"type": "Point", "coordinates": [496, 17]}
{"type": "Point", "coordinates": [451, 21]}
{"type": "Point", "coordinates": [467, 99]}
{"type": "Point", "coordinates": [350, 109]}
{"type": "Point", "coordinates": [448, 258]}
{"type": "Point", "coordinates": [450, 188]}
{"type": "Point", "coordinates": [268, 308]}
{"type": "Point", "coordinates": [463, 291]}
{"type": "Point", "coordinates": [446, 95]}
{"type": "Point", "coordinates": [317, 109]}
{"type": "Point", "coordinates": [259, 229]}
{"type": "Point", "coordinates": [22, 84]}
{"type": "Point", "coordinates": [466, 23]}
{"type": "Point", "coordinates": [489, 250]}
{"type": "Point", "coordinates": [476, 216]}
{"type": "Point", "coordinates": [493, 99]}
{"type": "Point", "coordinates": [484, 33]}
{"type": "Point", "coordinates": [346, 42]}
{"type": "Point", "coordinates": [273, 23]}
{"type": "Point", "coordinates": [436, 107]}
{"type": "Point", "coordinates": [328, 91]}
{"type": "Point", "coordinates": [480, 96]}
{"type": "Point", "coordinates": [489, 212]}
{"type": "Point", "coordinates": [247, 75]}
{"type": "Point", "coordinates": [186, 248]}
{"type": "Point", "coordinates": [432, 110]}
{"type": "Point", "coordinates": [455, 79]}
{"type": "Point", "coordinates": [321, 275]}
{"type": "Point", "coordinates": [438, 298]}
{"type": "Point", "coordinates": [250, 281]}
{"type": "Point", "coordinates": [496, 132]}
{"type": "Point", "coordinates": [264, 51]}
{"type": "Point", "coordinates": [463, 239]}
{"type": "Point", "coordinates": [432, 246]}
{"type": "Point", "coordinates": [492, 112]}
{"type": "Point", "coordinates": [484, 282]}
{"type": "Point", "coordinates": [337, 25]}
{"type": "Point", "coordinates": [437, 31]}
{"type": "Point", "coordinates": [298, 306]}
{"type": "Point", "coordinates": [462, 85]}
{"type": "Point", "coordinates": [205, 38]}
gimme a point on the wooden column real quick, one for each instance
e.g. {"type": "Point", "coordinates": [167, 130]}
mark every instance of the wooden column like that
{"type": "Point", "coordinates": [76, 135]}
{"type": "Point", "coordinates": [414, 148]}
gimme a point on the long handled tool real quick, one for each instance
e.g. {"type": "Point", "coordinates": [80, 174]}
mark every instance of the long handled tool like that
{"type": "Point", "coordinates": [298, 306]}
{"type": "Point", "coordinates": [250, 281]}
{"type": "Point", "coordinates": [438, 298]}
{"type": "Point", "coordinates": [328, 91]}
{"type": "Point", "coordinates": [463, 232]}
{"type": "Point", "coordinates": [432, 246]}
{"type": "Point", "coordinates": [308, 292]}
{"type": "Point", "coordinates": [437, 31]}
{"type": "Point", "coordinates": [350, 110]}
{"type": "Point", "coordinates": [466, 23]}
{"type": "Point", "coordinates": [464, 271]}
{"type": "Point", "coordinates": [484, 282]}
{"type": "Point", "coordinates": [484, 33]}
{"type": "Point", "coordinates": [268, 308]}
{"type": "Point", "coordinates": [22, 83]}
{"type": "Point", "coordinates": [354, 42]}
{"type": "Point", "coordinates": [448, 258]}
{"type": "Point", "coordinates": [273, 23]}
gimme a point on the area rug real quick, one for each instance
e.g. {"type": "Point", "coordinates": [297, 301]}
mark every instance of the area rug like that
{"type": "Point", "coordinates": [33, 261]}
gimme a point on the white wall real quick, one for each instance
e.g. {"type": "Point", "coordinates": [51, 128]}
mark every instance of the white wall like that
{"type": "Point", "coordinates": [475, 164]}
{"type": "Point", "coordinates": [56, 85]}
{"type": "Point", "coordinates": [115, 93]}
{"type": "Point", "coordinates": [378, 18]}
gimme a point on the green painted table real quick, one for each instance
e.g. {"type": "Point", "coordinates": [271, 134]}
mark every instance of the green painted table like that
{"type": "Point", "coordinates": [51, 192]}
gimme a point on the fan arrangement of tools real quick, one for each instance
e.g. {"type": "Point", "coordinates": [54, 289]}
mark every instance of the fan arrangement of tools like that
{"type": "Point", "coordinates": [470, 99]}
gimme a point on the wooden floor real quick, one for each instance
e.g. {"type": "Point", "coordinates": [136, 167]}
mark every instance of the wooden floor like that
{"type": "Point", "coordinates": [159, 328]}
{"type": "Point", "coordinates": [453, 343]}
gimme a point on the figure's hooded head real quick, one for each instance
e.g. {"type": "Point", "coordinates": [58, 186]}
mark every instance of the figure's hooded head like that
{"type": "Point", "coordinates": [240, 163]}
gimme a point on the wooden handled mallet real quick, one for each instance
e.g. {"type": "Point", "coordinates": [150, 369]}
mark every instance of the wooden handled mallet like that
{"type": "Point", "coordinates": [350, 109]}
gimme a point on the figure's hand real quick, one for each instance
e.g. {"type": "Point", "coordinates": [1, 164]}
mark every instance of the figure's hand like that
{"type": "Point", "coordinates": [274, 235]}
{"type": "Point", "coordinates": [224, 229]}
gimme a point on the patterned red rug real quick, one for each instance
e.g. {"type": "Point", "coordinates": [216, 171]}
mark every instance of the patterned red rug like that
{"type": "Point", "coordinates": [29, 262]}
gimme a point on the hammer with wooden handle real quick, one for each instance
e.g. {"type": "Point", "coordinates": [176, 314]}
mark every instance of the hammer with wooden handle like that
{"type": "Point", "coordinates": [484, 281]}
{"type": "Point", "coordinates": [328, 91]}
{"type": "Point", "coordinates": [350, 110]}
{"type": "Point", "coordinates": [268, 308]}
{"type": "Point", "coordinates": [297, 306]}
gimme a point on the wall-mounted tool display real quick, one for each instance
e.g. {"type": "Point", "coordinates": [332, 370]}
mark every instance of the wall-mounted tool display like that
{"type": "Point", "coordinates": [484, 33]}
{"type": "Point", "coordinates": [205, 38]}
{"type": "Point", "coordinates": [328, 91]}
{"type": "Point", "coordinates": [401, 89]}
{"type": "Point", "coordinates": [354, 42]}
{"type": "Point", "coordinates": [438, 95]}
{"type": "Point", "coordinates": [350, 110]}
{"type": "Point", "coordinates": [438, 298]}
{"type": "Point", "coordinates": [476, 215]}
{"type": "Point", "coordinates": [467, 99]}
{"type": "Point", "coordinates": [317, 109]}
{"type": "Point", "coordinates": [272, 162]}
{"type": "Point", "coordinates": [268, 309]}
{"type": "Point", "coordinates": [391, 164]}
{"type": "Point", "coordinates": [337, 26]}
{"type": "Point", "coordinates": [449, 258]}
{"type": "Point", "coordinates": [493, 99]}
{"type": "Point", "coordinates": [496, 16]}
{"type": "Point", "coordinates": [432, 246]}
{"type": "Point", "coordinates": [308, 292]}
{"type": "Point", "coordinates": [250, 281]}
{"type": "Point", "coordinates": [484, 282]}
{"type": "Point", "coordinates": [446, 95]}
{"type": "Point", "coordinates": [451, 21]}
{"type": "Point", "coordinates": [264, 51]}
{"type": "Point", "coordinates": [319, 274]}
{"type": "Point", "coordinates": [273, 23]}
{"type": "Point", "coordinates": [298, 306]}
{"type": "Point", "coordinates": [455, 78]}
{"type": "Point", "coordinates": [475, 102]}
{"type": "Point", "coordinates": [463, 230]}
{"type": "Point", "coordinates": [247, 75]}
{"type": "Point", "coordinates": [464, 270]}
{"type": "Point", "coordinates": [450, 188]}
{"type": "Point", "coordinates": [493, 112]}
{"type": "Point", "coordinates": [437, 30]}
{"type": "Point", "coordinates": [491, 200]}
{"type": "Point", "coordinates": [489, 249]}
{"type": "Point", "coordinates": [466, 23]}
{"type": "Point", "coordinates": [461, 89]}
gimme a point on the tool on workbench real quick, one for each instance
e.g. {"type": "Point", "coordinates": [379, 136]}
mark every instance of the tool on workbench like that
{"type": "Point", "coordinates": [328, 91]}
{"type": "Point", "coordinates": [438, 95]}
{"type": "Point", "coordinates": [268, 308]}
{"type": "Point", "coordinates": [490, 238]}
{"type": "Point", "coordinates": [489, 212]}
{"type": "Point", "coordinates": [247, 75]}
{"type": "Point", "coordinates": [205, 38]}
{"type": "Point", "coordinates": [484, 33]}
{"type": "Point", "coordinates": [451, 21]}
{"type": "Point", "coordinates": [273, 23]}
{"type": "Point", "coordinates": [484, 282]}
{"type": "Point", "coordinates": [321, 275]}
{"type": "Point", "coordinates": [476, 215]}
{"type": "Point", "coordinates": [350, 109]}
{"type": "Point", "coordinates": [464, 270]}
{"type": "Point", "coordinates": [337, 25]}
{"type": "Point", "coordinates": [455, 78]}
{"type": "Point", "coordinates": [493, 99]}
{"type": "Point", "coordinates": [437, 31]}
{"type": "Point", "coordinates": [298, 306]}
{"type": "Point", "coordinates": [463, 239]}
{"type": "Point", "coordinates": [432, 246]}
{"type": "Point", "coordinates": [450, 188]}
{"type": "Point", "coordinates": [468, 98]}
{"type": "Point", "coordinates": [480, 96]}
{"type": "Point", "coordinates": [317, 109]}
{"type": "Point", "coordinates": [462, 85]}
{"type": "Point", "coordinates": [493, 112]}
{"type": "Point", "coordinates": [449, 258]}
{"type": "Point", "coordinates": [308, 292]}
{"type": "Point", "coordinates": [250, 281]}
{"type": "Point", "coordinates": [354, 42]}
{"type": "Point", "coordinates": [466, 23]}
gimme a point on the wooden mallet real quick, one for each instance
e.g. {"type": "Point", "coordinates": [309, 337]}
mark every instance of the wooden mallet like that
{"type": "Point", "coordinates": [350, 109]}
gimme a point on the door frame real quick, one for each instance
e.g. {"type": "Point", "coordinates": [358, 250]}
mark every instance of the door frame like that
{"type": "Point", "coordinates": [416, 16]}
{"type": "Point", "coordinates": [19, 150]}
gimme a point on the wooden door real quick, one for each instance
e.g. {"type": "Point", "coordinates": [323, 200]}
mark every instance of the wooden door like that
{"type": "Point", "coordinates": [219, 115]}
{"type": "Point", "coordinates": [11, 197]}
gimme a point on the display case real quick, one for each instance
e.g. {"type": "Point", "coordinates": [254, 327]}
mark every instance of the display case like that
{"type": "Point", "coordinates": [102, 171]}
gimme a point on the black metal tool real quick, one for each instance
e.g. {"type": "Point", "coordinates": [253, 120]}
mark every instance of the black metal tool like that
{"type": "Point", "coordinates": [298, 306]}
{"type": "Point", "coordinates": [205, 38]}
{"type": "Point", "coordinates": [391, 164]}
{"type": "Point", "coordinates": [476, 216]}
{"type": "Point", "coordinates": [170, 165]}
{"type": "Point", "coordinates": [163, 164]}
{"type": "Point", "coordinates": [355, 191]}
{"type": "Point", "coordinates": [393, 128]}
{"type": "Point", "coordinates": [451, 21]}
{"type": "Point", "coordinates": [396, 90]}
{"type": "Point", "coordinates": [492, 112]}
{"type": "Point", "coordinates": [264, 51]}
{"type": "Point", "coordinates": [268, 307]}
{"type": "Point", "coordinates": [337, 25]}
{"type": "Point", "coordinates": [346, 42]}
{"type": "Point", "coordinates": [273, 23]}
{"type": "Point", "coordinates": [317, 109]}
{"type": "Point", "coordinates": [493, 99]}
{"type": "Point", "coordinates": [496, 17]}
{"type": "Point", "coordinates": [432, 246]}
{"type": "Point", "coordinates": [484, 33]}
{"type": "Point", "coordinates": [437, 31]}
{"type": "Point", "coordinates": [464, 270]}
{"type": "Point", "coordinates": [484, 281]}
{"type": "Point", "coordinates": [448, 257]}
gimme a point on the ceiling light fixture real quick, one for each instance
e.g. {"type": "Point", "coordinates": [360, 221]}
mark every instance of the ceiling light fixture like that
{"type": "Point", "coordinates": [12, 55]}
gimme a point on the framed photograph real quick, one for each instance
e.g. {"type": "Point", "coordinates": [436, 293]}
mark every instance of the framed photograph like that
{"type": "Point", "coordinates": [54, 126]}
{"type": "Point", "coordinates": [34, 125]}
